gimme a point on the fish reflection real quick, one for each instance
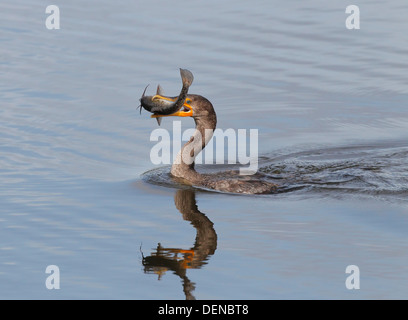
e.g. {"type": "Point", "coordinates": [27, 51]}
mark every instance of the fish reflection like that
{"type": "Point", "coordinates": [180, 260]}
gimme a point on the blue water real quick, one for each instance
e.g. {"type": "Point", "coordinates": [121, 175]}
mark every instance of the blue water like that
{"type": "Point", "coordinates": [330, 106]}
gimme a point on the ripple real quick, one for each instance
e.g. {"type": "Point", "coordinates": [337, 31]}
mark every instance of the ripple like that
{"type": "Point", "coordinates": [371, 170]}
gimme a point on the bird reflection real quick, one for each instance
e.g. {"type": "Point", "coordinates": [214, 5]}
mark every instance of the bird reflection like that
{"type": "Point", "coordinates": [179, 260]}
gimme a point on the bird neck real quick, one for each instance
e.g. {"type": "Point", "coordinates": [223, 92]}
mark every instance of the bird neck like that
{"type": "Point", "coordinates": [183, 166]}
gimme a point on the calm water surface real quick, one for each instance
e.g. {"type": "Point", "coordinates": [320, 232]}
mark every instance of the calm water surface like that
{"type": "Point", "coordinates": [78, 189]}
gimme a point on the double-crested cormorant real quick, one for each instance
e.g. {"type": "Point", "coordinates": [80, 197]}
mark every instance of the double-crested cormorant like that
{"type": "Point", "coordinates": [202, 111]}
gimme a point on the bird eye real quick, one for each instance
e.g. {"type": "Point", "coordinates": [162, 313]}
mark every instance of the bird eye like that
{"type": "Point", "coordinates": [188, 101]}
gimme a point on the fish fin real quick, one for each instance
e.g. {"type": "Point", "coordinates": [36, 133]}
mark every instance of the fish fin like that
{"type": "Point", "coordinates": [143, 94]}
{"type": "Point", "coordinates": [186, 76]}
{"type": "Point", "coordinates": [159, 120]}
{"type": "Point", "coordinates": [159, 90]}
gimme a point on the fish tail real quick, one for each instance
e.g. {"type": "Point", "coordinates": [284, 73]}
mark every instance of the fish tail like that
{"type": "Point", "coordinates": [187, 77]}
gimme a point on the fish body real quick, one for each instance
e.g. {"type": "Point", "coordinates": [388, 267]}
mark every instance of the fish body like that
{"type": "Point", "coordinates": [159, 106]}
{"type": "Point", "coordinates": [167, 105]}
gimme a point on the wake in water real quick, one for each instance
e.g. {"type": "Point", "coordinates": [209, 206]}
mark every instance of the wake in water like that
{"type": "Point", "coordinates": [379, 170]}
{"type": "Point", "coordinates": [374, 170]}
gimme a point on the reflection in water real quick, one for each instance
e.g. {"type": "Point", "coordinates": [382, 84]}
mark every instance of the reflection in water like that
{"type": "Point", "coordinates": [179, 260]}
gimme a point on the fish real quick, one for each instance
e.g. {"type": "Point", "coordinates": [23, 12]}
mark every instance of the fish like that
{"type": "Point", "coordinates": [170, 104]}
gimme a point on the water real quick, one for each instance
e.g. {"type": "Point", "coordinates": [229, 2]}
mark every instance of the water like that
{"type": "Point", "coordinates": [329, 104]}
